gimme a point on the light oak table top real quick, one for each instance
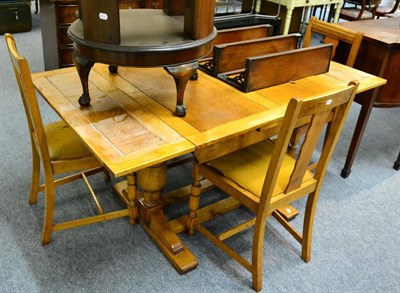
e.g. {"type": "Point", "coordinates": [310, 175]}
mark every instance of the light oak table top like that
{"type": "Point", "coordinates": [130, 124]}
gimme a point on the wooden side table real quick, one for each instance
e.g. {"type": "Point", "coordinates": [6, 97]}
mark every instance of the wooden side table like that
{"type": "Point", "coordinates": [149, 38]}
{"type": "Point", "coordinates": [379, 55]}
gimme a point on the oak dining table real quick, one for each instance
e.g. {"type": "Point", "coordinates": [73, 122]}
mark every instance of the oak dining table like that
{"type": "Point", "coordinates": [131, 128]}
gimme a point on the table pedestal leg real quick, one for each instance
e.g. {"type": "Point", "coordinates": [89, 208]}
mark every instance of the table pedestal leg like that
{"type": "Point", "coordinates": [181, 74]}
{"type": "Point", "coordinates": [83, 66]}
{"type": "Point", "coordinates": [153, 220]}
{"type": "Point", "coordinates": [366, 108]}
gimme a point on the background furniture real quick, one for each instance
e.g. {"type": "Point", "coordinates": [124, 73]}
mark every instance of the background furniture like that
{"type": "Point", "coordinates": [384, 10]}
{"type": "Point", "coordinates": [58, 150]}
{"type": "Point", "coordinates": [264, 177]}
{"type": "Point", "coordinates": [291, 7]}
{"type": "Point", "coordinates": [359, 9]}
{"type": "Point", "coordinates": [56, 16]}
{"type": "Point", "coordinates": [15, 16]}
{"type": "Point", "coordinates": [296, 18]}
{"type": "Point", "coordinates": [145, 38]}
{"type": "Point", "coordinates": [379, 54]}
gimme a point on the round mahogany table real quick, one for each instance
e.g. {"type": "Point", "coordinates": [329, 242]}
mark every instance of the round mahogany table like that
{"type": "Point", "coordinates": [149, 38]}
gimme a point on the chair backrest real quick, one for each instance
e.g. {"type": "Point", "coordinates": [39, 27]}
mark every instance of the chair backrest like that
{"type": "Point", "coordinates": [29, 99]}
{"type": "Point", "coordinates": [334, 34]}
{"type": "Point", "coordinates": [316, 113]}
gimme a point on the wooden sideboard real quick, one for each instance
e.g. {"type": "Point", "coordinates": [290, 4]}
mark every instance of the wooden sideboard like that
{"type": "Point", "coordinates": [379, 55]}
{"type": "Point", "coordinates": [57, 15]}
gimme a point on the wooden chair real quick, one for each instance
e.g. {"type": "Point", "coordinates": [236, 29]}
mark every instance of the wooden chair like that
{"type": "Point", "coordinates": [334, 34]}
{"type": "Point", "coordinates": [263, 177]}
{"type": "Point", "coordinates": [381, 11]}
{"type": "Point", "coordinates": [363, 9]}
{"type": "Point", "coordinates": [58, 149]}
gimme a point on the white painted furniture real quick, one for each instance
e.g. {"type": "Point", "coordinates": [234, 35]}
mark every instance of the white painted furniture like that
{"type": "Point", "coordinates": [292, 4]}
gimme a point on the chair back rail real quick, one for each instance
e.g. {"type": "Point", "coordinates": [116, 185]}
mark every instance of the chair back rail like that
{"type": "Point", "coordinates": [32, 111]}
{"type": "Point", "coordinates": [334, 34]}
{"type": "Point", "coordinates": [317, 111]}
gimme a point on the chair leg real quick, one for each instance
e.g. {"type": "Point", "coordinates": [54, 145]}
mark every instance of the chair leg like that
{"type": "Point", "coordinates": [257, 254]}
{"type": "Point", "coordinates": [308, 226]}
{"type": "Point", "coordinates": [194, 199]}
{"type": "Point", "coordinates": [49, 210]}
{"type": "Point", "coordinates": [396, 165]}
{"type": "Point", "coordinates": [35, 177]}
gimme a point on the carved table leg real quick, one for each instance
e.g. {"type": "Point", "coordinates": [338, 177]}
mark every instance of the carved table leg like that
{"type": "Point", "coordinates": [181, 74]}
{"type": "Point", "coordinates": [366, 108]}
{"type": "Point", "coordinates": [83, 66]}
{"type": "Point", "coordinates": [153, 220]}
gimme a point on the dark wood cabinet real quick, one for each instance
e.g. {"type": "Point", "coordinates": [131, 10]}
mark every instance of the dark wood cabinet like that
{"type": "Point", "coordinates": [66, 13]}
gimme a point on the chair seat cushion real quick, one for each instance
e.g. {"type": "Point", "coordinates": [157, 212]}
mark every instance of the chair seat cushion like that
{"type": "Point", "coordinates": [64, 143]}
{"type": "Point", "coordinates": [248, 167]}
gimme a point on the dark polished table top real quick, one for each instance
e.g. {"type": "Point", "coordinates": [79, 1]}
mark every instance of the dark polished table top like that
{"type": "Point", "coordinates": [158, 39]}
{"type": "Point", "coordinates": [385, 30]}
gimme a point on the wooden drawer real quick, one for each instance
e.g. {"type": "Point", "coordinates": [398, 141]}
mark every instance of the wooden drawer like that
{"type": "Point", "coordinates": [62, 36]}
{"type": "Point", "coordinates": [67, 13]}
{"type": "Point", "coordinates": [65, 56]}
